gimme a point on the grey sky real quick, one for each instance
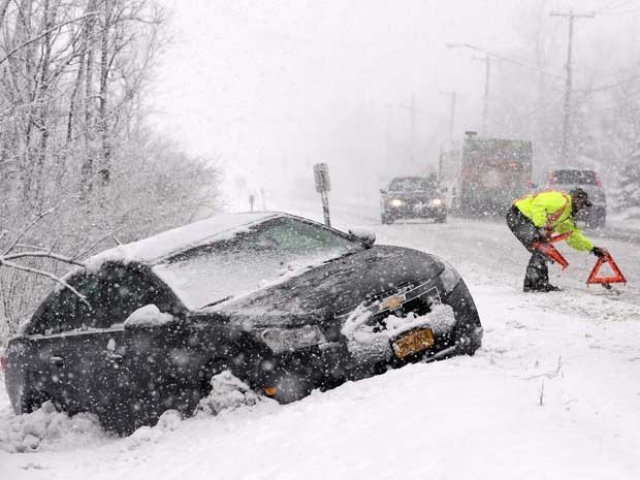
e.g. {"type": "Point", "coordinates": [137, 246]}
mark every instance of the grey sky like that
{"type": "Point", "coordinates": [272, 87]}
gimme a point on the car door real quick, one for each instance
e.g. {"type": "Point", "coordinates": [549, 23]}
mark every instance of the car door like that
{"type": "Point", "coordinates": [69, 350]}
{"type": "Point", "coordinates": [151, 362]}
{"type": "Point", "coordinates": [83, 358]}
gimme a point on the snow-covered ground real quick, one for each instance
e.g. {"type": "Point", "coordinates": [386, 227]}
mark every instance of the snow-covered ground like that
{"type": "Point", "coordinates": [554, 393]}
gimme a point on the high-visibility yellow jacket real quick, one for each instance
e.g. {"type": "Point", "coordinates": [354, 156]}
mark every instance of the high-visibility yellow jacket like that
{"type": "Point", "coordinates": [552, 210]}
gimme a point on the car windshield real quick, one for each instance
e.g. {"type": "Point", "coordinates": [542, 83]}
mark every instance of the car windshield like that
{"type": "Point", "coordinates": [574, 177]}
{"type": "Point", "coordinates": [411, 184]}
{"type": "Point", "coordinates": [267, 254]}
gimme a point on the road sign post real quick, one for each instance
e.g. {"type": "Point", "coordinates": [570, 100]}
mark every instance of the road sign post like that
{"type": "Point", "coordinates": [323, 185]}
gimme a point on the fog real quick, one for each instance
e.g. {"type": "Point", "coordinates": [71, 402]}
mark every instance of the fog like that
{"type": "Point", "coordinates": [270, 88]}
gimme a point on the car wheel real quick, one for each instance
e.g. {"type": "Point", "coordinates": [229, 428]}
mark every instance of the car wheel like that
{"type": "Point", "coordinates": [385, 220]}
{"type": "Point", "coordinates": [441, 219]}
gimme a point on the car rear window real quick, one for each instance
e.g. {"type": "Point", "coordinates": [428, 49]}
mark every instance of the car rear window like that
{"type": "Point", "coordinates": [111, 294]}
{"type": "Point", "coordinates": [574, 177]}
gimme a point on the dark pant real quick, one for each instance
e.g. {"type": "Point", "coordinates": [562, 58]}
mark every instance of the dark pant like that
{"type": "Point", "coordinates": [537, 274]}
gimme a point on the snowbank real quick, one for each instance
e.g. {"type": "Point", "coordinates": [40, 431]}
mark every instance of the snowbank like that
{"type": "Point", "coordinates": [47, 429]}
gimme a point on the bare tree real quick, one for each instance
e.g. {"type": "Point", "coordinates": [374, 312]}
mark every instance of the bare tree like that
{"type": "Point", "coordinates": [73, 75]}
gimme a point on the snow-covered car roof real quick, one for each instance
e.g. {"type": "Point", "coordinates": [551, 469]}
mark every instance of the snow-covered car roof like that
{"type": "Point", "coordinates": [215, 228]}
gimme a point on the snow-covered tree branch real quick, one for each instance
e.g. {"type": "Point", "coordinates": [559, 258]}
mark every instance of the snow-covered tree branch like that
{"type": "Point", "coordinates": [73, 130]}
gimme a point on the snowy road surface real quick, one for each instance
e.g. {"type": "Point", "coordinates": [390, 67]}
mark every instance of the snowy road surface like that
{"type": "Point", "coordinates": [554, 393]}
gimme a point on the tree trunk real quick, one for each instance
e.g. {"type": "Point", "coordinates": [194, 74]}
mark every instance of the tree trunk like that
{"type": "Point", "coordinates": [87, 162]}
{"type": "Point", "coordinates": [104, 92]}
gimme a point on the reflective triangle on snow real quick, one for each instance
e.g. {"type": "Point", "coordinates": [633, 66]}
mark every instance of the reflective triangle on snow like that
{"type": "Point", "coordinates": [615, 275]}
{"type": "Point", "coordinates": [551, 253]}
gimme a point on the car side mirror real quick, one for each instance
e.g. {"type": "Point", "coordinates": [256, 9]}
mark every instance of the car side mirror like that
{"type": "Point", "coordinates": [148, 316]}
{"type": "Point", "coordinates": [365, 236]}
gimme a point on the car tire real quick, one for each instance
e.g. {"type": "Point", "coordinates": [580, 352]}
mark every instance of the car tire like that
{"type": "Point", "coordinates": [385, 220]}
{"type": "Point", "coordinates": [441, 219]}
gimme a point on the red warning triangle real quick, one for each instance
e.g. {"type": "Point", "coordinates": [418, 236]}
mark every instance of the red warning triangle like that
{"type": "Point", "coordinates": [552, 253]}
{"type": "Point", "coordinates": [615, 277]}
{"type": "Point", "coordinates": [560, 237]}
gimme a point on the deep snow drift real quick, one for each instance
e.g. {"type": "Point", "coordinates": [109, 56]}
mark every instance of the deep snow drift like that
{"type": "Point", "coordinates": [554, 393]}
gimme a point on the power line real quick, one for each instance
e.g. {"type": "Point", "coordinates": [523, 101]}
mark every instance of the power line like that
{"type": "Point", "coordinates": [611, 85]}
{"type": "Point", "coordinates": [626, 12]}
{"type": "Point", "coordinates": [611, 5]}
{"type": "Point", "coordinates": [509, 59]}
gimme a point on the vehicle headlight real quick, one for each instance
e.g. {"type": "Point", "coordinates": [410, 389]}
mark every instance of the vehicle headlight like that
{"type": "Point", "coordinates": [396, 202]}
{"type": "Point", "coordinates": [449, 277]}
{"type": "Point", "coordinates": [436, 202]}
{"type": "Point", "coordinates": [287, 339]}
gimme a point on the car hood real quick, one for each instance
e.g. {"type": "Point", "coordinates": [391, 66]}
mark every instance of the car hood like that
{"type": "Point", "coordinates": [334, 288]}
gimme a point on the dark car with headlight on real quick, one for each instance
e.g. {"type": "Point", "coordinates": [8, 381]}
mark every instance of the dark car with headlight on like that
{"type": "Point", "coordinates": [413, 197]}
{"type": "Point", "coordinates": [287, 305]}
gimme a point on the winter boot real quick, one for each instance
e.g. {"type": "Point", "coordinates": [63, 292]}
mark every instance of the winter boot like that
{"type": "Point", "coordinates": [536, 278]}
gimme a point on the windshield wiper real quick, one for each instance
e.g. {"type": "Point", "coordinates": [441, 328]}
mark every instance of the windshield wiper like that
{"type": "Point", "coordinates": [216, 302]}
{"type": "Point", "coordinates": [343, 255]}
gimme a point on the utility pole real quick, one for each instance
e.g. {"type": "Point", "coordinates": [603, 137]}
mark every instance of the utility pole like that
{"type": "Point", "coordinates": [452, 113]}
{"type": "Point", "coordinates": [487, 79]}
{"type": "Point", "coordinates": [412, 109]}
{"type": "Point", "coordinates": [412, 115]}
{"type": "Point", "coordinates": [566, 125]}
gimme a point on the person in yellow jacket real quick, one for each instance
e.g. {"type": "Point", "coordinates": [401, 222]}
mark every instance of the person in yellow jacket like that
{"type": "Point", "coordinates": [533, 218]}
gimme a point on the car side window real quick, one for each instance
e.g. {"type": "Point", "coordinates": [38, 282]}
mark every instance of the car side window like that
{"type": "Point", "coordinates": [115, 293]}
{"type": "Point", "coordinates": [54, 313]}
{"type": "Point", "coordinates": [111, 294]}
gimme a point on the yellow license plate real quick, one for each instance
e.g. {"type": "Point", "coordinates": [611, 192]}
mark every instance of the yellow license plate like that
{"type": "Point", "coordinates": [414, 342]}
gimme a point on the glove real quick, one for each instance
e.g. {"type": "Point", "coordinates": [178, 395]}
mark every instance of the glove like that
{"type": "Point", "coordinates": [599, 252]}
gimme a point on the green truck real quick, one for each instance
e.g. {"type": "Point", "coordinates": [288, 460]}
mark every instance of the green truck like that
{"type": "Point", "coordinates": [493, 172]}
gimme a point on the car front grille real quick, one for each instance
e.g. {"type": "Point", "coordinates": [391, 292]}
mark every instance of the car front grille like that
{"type": "Point", "coordinates": [415, 298]}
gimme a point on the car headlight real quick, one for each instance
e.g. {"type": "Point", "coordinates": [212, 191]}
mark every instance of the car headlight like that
{"type": "Point", "coordinates": [396, 202]}
{"type": "Point", "coordinates": [449, 277]}
{"type": "Point", "coordinates": [436, 202]}
{"type": "Point", "coordinates": [287, 339]}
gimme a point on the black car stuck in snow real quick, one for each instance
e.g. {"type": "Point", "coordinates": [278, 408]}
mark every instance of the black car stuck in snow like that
{"type": "Point", "coordinates": [283, 303]}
